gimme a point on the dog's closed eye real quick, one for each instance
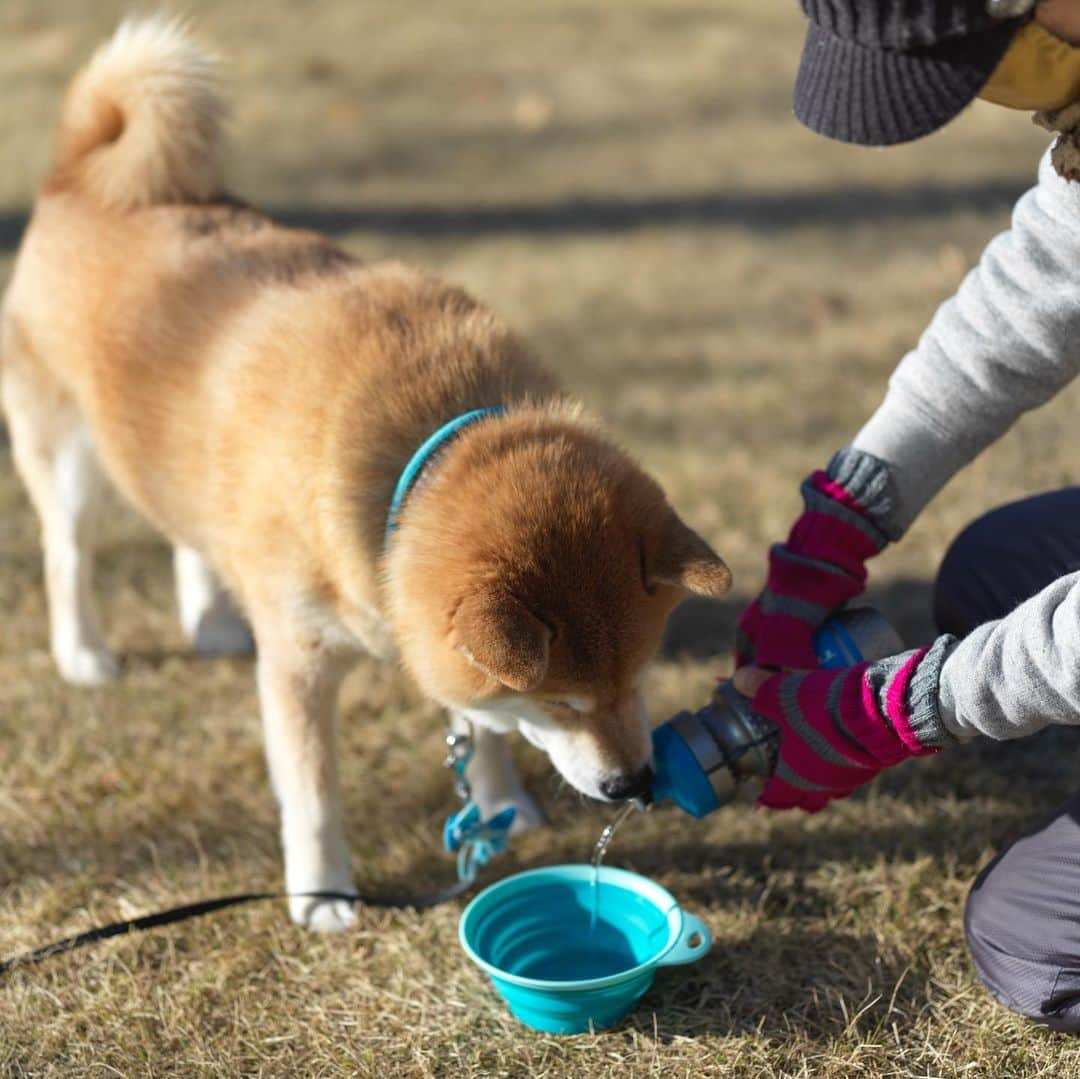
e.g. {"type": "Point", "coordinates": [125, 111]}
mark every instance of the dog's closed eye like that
{"type": "Point", "coordinates": [571, 704]}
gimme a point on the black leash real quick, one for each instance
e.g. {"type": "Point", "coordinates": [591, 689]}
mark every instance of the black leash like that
{"type": "Point", "coordinates": [208, 906]}
{"type": "Point", "coordinates": [473, 838]}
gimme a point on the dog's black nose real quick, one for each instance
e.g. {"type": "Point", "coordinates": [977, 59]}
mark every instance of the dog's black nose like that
{"type": "Point", "coordinates": [620, 788]}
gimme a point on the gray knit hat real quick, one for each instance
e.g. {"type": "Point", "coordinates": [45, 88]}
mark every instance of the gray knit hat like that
{"type": "Point", "coordinates": [879, 72]}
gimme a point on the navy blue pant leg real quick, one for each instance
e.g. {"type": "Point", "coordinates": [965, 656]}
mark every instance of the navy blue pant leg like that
{"type": "Point", "coordinates": [1005, 557]}
{"type": "Point", "coordinates": [1023, 912]}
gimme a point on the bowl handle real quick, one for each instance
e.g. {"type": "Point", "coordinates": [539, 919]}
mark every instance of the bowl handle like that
{"type": "Point", "coordinates": [682, 951]}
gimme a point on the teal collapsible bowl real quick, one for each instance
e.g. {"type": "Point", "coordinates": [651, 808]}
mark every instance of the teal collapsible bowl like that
{"type": "Point", "coordinates": [531, 933]}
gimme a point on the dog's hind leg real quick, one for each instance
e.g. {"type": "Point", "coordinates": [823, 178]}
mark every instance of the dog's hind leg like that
{"type": "Point", "coordinates": [55, 457]}
{"type": "Point", "coordinates": [207, 613]}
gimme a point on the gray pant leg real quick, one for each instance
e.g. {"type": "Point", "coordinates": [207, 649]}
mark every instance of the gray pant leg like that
{"type": "Point", "coordinates": [1023, 922]}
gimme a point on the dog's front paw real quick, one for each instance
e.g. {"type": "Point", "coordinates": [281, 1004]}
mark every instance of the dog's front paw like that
{"type": "Point", "coordinates": [322, 915]}
{"type": "Point", "coordinates": [81, 665]}
{"type": "Point", "coordinates": [529, 815]}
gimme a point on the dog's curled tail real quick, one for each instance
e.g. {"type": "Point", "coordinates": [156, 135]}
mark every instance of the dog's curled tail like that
{"type": "Point", "coordinates": [143, 121]}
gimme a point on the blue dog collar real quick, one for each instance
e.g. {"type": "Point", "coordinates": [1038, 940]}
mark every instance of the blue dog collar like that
{"type": "Point", "coordinates": [419, 460]}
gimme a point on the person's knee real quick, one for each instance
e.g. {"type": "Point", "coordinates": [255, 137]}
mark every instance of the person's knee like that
{"type": "Point", "coordinates": [1004, 558]}
{"type": "Point", "coordinates": [960, 590]}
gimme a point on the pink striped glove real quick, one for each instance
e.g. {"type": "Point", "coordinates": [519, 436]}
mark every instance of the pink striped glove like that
{"type": "Point", "coordinates": [839, 728]}
{"type": "Point", "coordinates": [822, 566]}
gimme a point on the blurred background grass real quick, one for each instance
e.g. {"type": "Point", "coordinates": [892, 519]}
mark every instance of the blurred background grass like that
{"type": "Point", "coordinates": [627, 185]}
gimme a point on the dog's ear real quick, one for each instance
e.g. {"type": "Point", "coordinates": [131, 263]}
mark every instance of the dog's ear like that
{"type": "Point", "coordinates": [503, 638]}
{"type": "Point", "coordinates": [683, 559]}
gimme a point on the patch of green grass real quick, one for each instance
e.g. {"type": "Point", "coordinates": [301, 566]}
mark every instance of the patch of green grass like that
{"type": "Point", "coordinates": [729, 293]}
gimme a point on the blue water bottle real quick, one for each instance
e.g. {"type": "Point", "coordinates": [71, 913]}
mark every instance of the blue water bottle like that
{"type": "Point", "coordinates": [702, 758]}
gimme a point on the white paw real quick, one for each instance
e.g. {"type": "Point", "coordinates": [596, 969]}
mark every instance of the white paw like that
{"type": "Point", "coordinates": [85, 666]}
{"type": "Point", "coordinates": [529, 815]}
{"type": "Point", "coordinates": [222, 633]}
{"type": "Point", "coordinates": [323, 915]}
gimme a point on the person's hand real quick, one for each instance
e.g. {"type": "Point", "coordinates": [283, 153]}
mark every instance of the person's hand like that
{"type": "Point", "coordinates": [840, 728]}
{"type": "Point", "coordinates": [820, 569]}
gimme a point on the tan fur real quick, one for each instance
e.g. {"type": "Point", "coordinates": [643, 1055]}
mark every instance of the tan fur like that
{"type": "Point", "coordinates": [255, 392]}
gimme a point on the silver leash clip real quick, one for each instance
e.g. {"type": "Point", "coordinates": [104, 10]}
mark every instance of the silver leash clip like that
{"type": "Point", "coordinates": [459, 751]}
{"type": "Point", "coordinates": [473, 839]}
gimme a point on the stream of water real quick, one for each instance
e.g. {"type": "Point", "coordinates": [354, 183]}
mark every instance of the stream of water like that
{"type": "Point", "coordinates": [599, 851]}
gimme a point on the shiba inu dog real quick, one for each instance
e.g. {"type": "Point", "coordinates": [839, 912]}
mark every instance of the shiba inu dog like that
{"type": "Point", "coordinates": [257, 393]}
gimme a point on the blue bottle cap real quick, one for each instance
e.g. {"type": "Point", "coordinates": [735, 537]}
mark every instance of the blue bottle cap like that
{"type": "Point", "coordinates": [679, 777]}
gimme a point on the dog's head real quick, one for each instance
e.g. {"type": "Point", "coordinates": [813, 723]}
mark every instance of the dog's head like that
{"type": "Point", "coordinates": [531, 585]}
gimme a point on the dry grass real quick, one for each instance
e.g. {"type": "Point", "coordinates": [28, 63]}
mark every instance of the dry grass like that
{"type": "Point", "coordinates": [625, 182]}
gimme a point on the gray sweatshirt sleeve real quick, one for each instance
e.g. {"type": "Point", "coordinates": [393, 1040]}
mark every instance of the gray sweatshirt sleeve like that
{"type": "Point", "coordinates": [1012, 677]}
{"type": "Point", "coordinates": [1005, 343]}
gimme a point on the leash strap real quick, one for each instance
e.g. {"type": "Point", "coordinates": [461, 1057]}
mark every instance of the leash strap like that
{"type": "Point", "coordinates": [209, 906]}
